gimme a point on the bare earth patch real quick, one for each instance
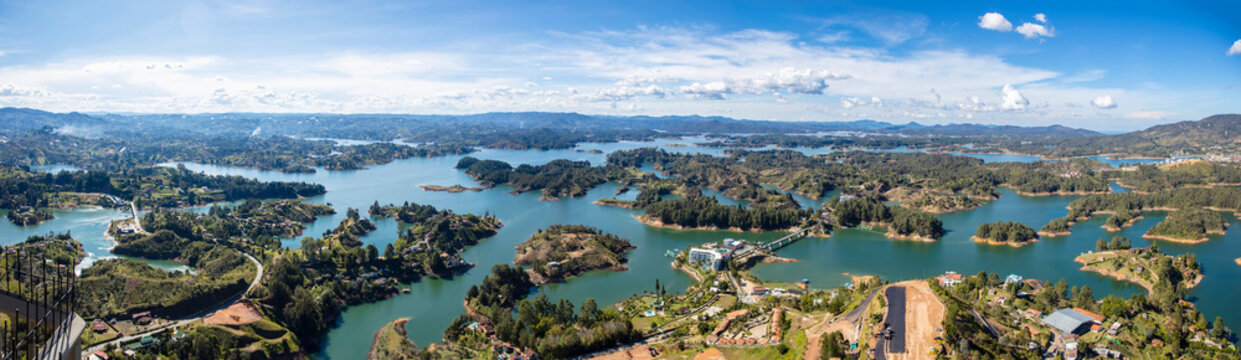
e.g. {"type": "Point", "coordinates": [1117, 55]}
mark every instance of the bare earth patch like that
{"type": "Point", "coordinates": [240, 313]}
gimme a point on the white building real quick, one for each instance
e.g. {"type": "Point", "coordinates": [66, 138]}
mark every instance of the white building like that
{"type": "Point", "coordinates": [707, 258]}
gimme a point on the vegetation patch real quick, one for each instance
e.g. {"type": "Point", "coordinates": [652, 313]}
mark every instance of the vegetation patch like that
{"type": "Point", "coordinates": [563, 251]}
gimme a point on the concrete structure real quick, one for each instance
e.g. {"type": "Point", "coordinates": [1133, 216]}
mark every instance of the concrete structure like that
{"type": "Point", "coordinates": [1068, 321]}
{"type": "Point", "coordinates": [708, 258]}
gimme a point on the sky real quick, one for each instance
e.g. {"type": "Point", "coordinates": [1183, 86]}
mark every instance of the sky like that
{"type": "Point", "coordinates": [1109, 66]}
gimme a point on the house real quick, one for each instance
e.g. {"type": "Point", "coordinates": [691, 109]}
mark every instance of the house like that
{"type": "Point", "coordinates": [759, 290]}
{"type": "Point", "coordinates": [98, 355]}
{"type": "Point", "coordinates": [950, 278]}
{"type": "Point", "coordinates": [98, 326]}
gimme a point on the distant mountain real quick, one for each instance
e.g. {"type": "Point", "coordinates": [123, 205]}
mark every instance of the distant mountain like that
{"type": "Point", "coordinates": [392, 126]}
{"type": "Point", "coordinates": [1214, 134]}
{"type": "Point", "coordinates": [1054, 131]}
{"type": "Point", "coordinates": [16, 120]}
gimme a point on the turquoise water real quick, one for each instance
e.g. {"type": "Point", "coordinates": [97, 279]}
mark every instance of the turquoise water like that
{"type": "Point", "coordinates": [432, 304]}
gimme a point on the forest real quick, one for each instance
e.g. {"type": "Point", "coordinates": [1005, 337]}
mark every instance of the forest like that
{"type": "Point", "coordinates": [427, 234]}
{"type": "Point", "coordinates": [557, 330]}
{"type": "Point", "coordinates": [700, 211]}
{"type": "Point", "coordinates": [153, 187]}
{"type": "Point", "coordinates": [1005, 232]}
{"type": "Point", "coordinates": [1189, 224]}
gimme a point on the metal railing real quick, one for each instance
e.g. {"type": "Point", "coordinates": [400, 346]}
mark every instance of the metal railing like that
{"type": "Point", "coordinates": [37, 305]}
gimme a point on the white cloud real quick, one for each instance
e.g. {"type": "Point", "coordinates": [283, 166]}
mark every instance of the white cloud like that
{"type": "Point", "coordinates": [1012, 100]}
{"type": "Point", "coordinates": [994, 21]}
{"type": "Point", "coordinates": [621, 93]}
{"type": "Point", "coordinates": [653, 71]}
{"type": "Point", "coordinates": [1235, 49]}
{"type": "Point", "coordinates": [11, 89]}
{"type": "Point", "coordinates": [805, 81]}
{"type": "Point", "coordinates": [851, 102]}
{"type": "Point", "coordinates": [1031, 30]}
{"type": "Point", "coordinates": [891, 26]}
{"type": "Point", "coordinates": [1041, 17]}
{"type": "Point", "coordinates": [1104, 102]}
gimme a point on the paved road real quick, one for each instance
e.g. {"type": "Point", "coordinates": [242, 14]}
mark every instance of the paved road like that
{"type": "Point", "coordinates": [896, 317]}
{"type": "Point", "coordinates": [179, 323]}
{"type": "Point", "coordinates": [134, 210]}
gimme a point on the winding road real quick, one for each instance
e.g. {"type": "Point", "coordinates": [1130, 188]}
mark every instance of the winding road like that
{"type": "Point", "coordinates": [258, 276]}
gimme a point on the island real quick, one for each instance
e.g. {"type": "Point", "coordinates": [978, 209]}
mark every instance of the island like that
{"type": "Point", "coordinates": [869, 212]}
{"type": "Point", "coordinates": [1056, 227]}
{"type": "Point", "coordinates": [29, 216]}
{"type": "Point", "coordinates": [1005, 233]}
{"type": "Point", "coordinates": [931, 202]}
{"type": "Point", "coordinates": [563, 251]}
{"type": "Point", "coordinates": [1147, 267]}
{"type": "Point", "coordinates": [452, 189]}
{"type": "Point", "coordinates": [391, 342]}
{"type": "Point", "coordinates": [1188, 226]}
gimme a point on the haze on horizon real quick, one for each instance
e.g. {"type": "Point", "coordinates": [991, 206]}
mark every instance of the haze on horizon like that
{"type": "Point", "coordinates": [1105, 66]}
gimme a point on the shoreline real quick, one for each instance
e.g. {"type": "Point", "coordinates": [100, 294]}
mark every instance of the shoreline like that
{"type": "Point", "coordinates": [615, 203]}
{"type": "Point", "coordinates": [910, 237]}
{"type": "Point", "coordinates": [998, 243]}
{"type": "Point", "coordinates": [656, 223]}
{"type": "Point", "coordinates": [450, 189]}
{"type": "Point", "coordinates": [1122, 226]}
{"type": "Point", "coordinates": [1176, 240]}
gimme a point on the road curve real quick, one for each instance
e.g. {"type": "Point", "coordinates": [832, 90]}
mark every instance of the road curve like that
{"type": "Point", "coordinates": [258, 276]}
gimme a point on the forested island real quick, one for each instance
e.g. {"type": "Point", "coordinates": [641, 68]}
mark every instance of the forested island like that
{"type": "Point", "coordinates": [902, 223]}
{"type": "Point", "coordinates": [704, 212]}
{"type": "Point", "coordinates": [563, 251]}
{"type": "Point", "coordinates": [1124, 208]}
{"type": "Point", "coordinates": [1188, 226]}
{"type": "Point", "coordinates": [431, 239]}
{"type": "Point", "coordinates": [1005, 233]}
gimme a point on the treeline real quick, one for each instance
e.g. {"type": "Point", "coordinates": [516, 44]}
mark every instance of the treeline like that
{"type": "Point", "coordinates": [556, 178]}
{"type": "Point", "coordinates": [153, 187]}
{"type": "Point", "coordinates": [1151, 178]}
{"type": "Point", "coordinates": [279, 153]}
{"type": "Point", "coordinates": [1189, 224]}
{"type": "Point", "coordinates": [1010, 232]}
{"type": "Point", "coordinates": [350, 230]}
{"type": "Point", "coordinates": [900, 221]}
{"type": "Point", "coordinates": [700, 211]}
{"type": "Point", "coordinates": [1182, 198]}
{"type": "Point", "coordinates": [554, 330]}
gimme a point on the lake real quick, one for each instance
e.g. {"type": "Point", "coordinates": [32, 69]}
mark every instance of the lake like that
{"type": "Point", "coordinates": [433, 303]}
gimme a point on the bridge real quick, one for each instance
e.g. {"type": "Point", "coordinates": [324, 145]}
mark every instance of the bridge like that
{"type": "Point", "coordinates": [796, 234]}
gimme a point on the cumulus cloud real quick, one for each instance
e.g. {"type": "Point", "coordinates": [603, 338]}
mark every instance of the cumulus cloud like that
{"type": "Point", "coordinates": [1032, 30]}
{"type": "Point", "coordinates": [805, 81]}
{"type": "Point", "coordinates": [10, 89]}
{"type": "Point", "coordinates": [852, 102]}
{"type": "Point", "coordinates": [1104, 102]}
{"type": "Point", "coordinates": [1012, 100]}
{"type": "Point", "coordinates": [1041, 17]}
{"type": "Point", "coordinates": [994, 21]}
{"type": "Point", "coordinates": [1235, 49]}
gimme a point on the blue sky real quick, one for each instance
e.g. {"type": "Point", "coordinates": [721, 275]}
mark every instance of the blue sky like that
{"type": "Point", "coordinates": [1107, 66]}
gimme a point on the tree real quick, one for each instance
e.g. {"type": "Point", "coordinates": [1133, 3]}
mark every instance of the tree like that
{"type": "Point", "coordinates": [589, 312]}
